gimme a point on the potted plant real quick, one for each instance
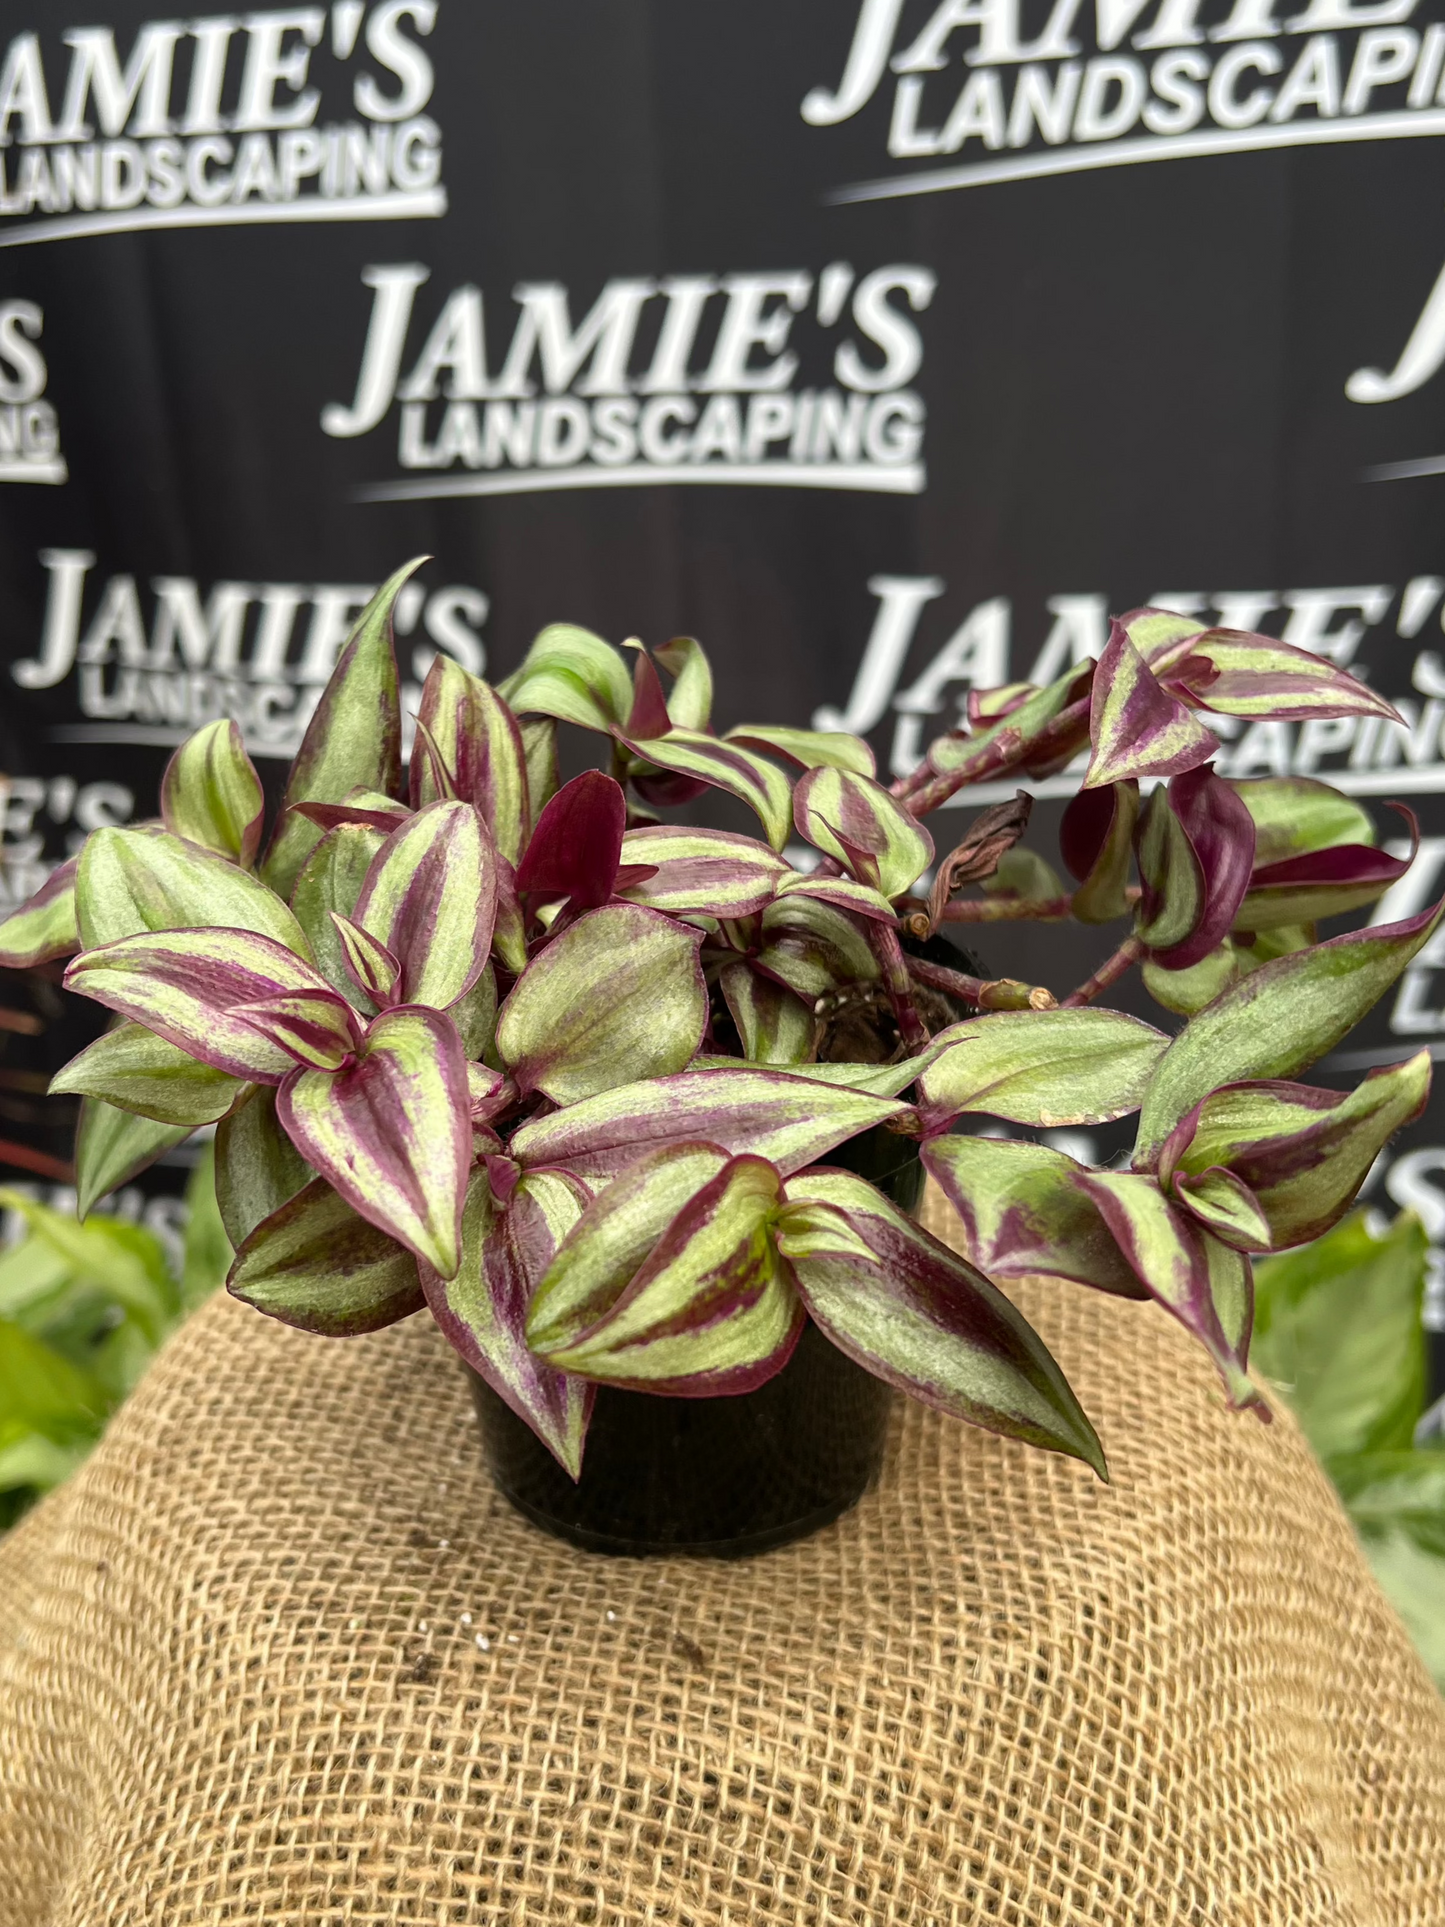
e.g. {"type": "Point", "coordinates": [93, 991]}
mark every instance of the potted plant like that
{"type": "Point", "coordinates": [602, 1092]}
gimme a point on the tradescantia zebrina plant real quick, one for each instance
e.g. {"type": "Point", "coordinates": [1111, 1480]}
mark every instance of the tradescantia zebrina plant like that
{"type": "Point", "coordinates": [570, 1076]}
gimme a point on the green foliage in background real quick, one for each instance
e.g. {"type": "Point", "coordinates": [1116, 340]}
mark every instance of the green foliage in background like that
{"type": "Point", "coordinates": [1338, 1330]}
{"type": "Point", "coordinates": [83, 1310]}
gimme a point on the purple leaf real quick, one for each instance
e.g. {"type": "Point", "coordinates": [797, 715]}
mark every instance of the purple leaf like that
{"type": "Point", "coordinates": [392, 1132]}
{"type": "Point", "coordinates": [918, 1316]}
{"type": "Point", "coordinates": [187, 986]}
{"type": "Point", "coordinates": [649, 715]}
{"type": "Point", "coordinates": [1323, 883]}
{"type": "Point", "coordinates": [507, 1245]}
{"type": "Point", "coordinates": [1096, 840]}
{"type": "Point", "coordinates": [1135, 726]}
{"type": "Point", "coordinates": [1221, 834]}
{"type": "Point", "coordinates": [576, 847]}
{"type": "Point", "coordinates": [313, 1263]}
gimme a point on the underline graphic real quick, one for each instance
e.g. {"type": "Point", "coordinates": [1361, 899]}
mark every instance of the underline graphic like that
{"type": "Point", "coordinates": [1405, 471]}
{"type": "Point", "coordinates": [1403, 125]}
{"type": "Point", "coordinates": [907, 478]}
{"type": "Point", "coordinates": [424, 204]}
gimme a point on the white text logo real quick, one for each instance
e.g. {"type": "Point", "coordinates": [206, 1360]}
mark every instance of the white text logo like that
{"type": "Point", "coordinates": [220, 120]}
{"type": "Point", "coordinates": [691, 378]}
{"type": "Point", "coordinates": [29, 432]}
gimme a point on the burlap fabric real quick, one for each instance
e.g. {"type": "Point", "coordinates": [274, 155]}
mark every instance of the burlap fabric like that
{"type": "Point", "coordinates": [280, 1655]}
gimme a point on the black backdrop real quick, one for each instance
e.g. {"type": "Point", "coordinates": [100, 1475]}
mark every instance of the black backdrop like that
{"type": "Point", "coordinates": [885, 348]}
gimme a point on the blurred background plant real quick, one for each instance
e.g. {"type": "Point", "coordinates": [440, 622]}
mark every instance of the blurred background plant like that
{"type": "Point", "coordinates": [83, 1310]}
{"type": "Point", "coordinates": [1337, 1331]}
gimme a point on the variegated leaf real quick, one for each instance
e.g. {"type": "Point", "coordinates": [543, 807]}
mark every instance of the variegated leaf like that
{"type": "Point", "coordinates": [855, 820]}
{"type": "Point", "coordinates": [372, 968]}
{"type": "Point", "coordinates": [1296, 814]}
{"type": "Point", "coordinates": [789, 1120]}
{"type": "Point", "coordinates": [539, 746]}
{"type": "Point", "coordinates": [130, 881]}
{"type": "Point", "coordinates": [1196, 852]}
{"type": "Point", "coordinates": [1042, 1067]}
{"type": "Point", "coordinates": [844, 893]}
{"type": "Point", "coordinates": [923, 1319]}
{"type": "Point", "coordinates": [359, 805]}
{"type": "Point", "coordinates": [114, 1146]}
{"type": "Point", "coordinates": [1225, 1205]}
{"type": "Point", "coordinates": [430, 898]}
{"type": "Point", "coordinates": [1322, 883]}
{"type": "Point", "coordinates": [1205, 1284]}
{"type": "Point", "coordinates": [809, 748]}
{"type": "Point", "coordinates": [1023, 1216]}
{"type": "Point", "coordinates": [775, 1026]}
{"type": "Point", "coordinates": [1135, 726]}
{"type": "Point", "coordinates": [709, 872]}
{"type": "Point", "coordinates": [690, 702]}
{"type": "Point", "coordinates": [710, 1311]}
{"type": "Point", "coordinates": [477, 737]}
{"type": "Point", "coordinates": [725, 766]}
{"type": "Point", "coordinates": [316, 1265]}
{"type": "Point", "coordinates": [618, 996]}
{"type": "Point", "coordinates": [392, 1131]}
{"type": "Point", "coordinates": [1160, 635]}
{"type": "Point", "coordinates": [328, 886]}
{"type": "Point", "coordinates": [186, 985]}
{"type": "Point", "coordinates": [482, 1312]}
{"type": "Point", "coordinates": [877, 1080]}
{"type": "Point", "coordinates": [1302, 1152]}
{"type": "Point", "coordinates": [1247, 675]}
{"type": "Point", "coordinates": [314, 1027]}
{"type": "Point", "coordinates": [570, 674]}
{"type": "Point", "coordinates": [45, 926]}
{"type": "Point", "coordinates": [258, 1168]}
{"type": "Point", "coordinates": [135, 1070]}
{"type": "Point", "coordinates": [1096, 840]}
{"type": "Point", "coordinates": [1278, 1019]}
{"type": "Point", "coordinates": [614, 1236]}
{"type": "Point", "coordinates": [354, 736]}
{"type": "Point", "coordinates": [814, 948]}
{"type": "Point", "coordinates": [211, 794]}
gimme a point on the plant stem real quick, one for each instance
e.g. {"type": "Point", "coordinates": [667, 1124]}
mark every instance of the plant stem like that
{"type": "Point", "coordinates": [1008, 910]}
{"type": "Point", "coordinates": [1000, 752]}
{"type": "Point", "coordinates": [984, 993]}
{"type": "Point", "coordinates": [891, 961]}
{"type": "Point", "coordinates": [1109, 972]}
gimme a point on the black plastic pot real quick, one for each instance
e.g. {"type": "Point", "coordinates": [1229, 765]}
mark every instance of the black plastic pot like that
{"type": "Point", "coordinates": [719, 1476]}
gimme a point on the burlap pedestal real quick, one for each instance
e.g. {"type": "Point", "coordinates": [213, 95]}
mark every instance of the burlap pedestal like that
{"type": "Point", "coordinates": [280, 1655]}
